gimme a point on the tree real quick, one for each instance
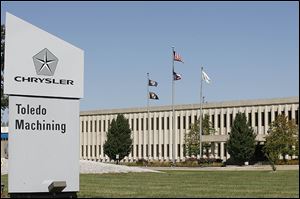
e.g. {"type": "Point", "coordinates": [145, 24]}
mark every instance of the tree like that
{"type": "Point", "coordinates": [118, 138]}
{"type": "Point", "coordinates": [192, 143]}
{"type": "Point", "coordinates": [4, 98]}
{"type": "Point", "coordinates": [281, 140]}
{"type": "Point", "coordinates": [241, 143]}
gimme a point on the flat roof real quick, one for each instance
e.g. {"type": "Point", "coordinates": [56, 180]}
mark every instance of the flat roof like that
{"type": "Point", "coordinates": [211, 105]}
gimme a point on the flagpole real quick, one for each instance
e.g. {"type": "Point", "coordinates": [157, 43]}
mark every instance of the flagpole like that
{"type": "Point", "coordinates": [200, 118]}
{"type": "Point", "coordinates": [173, 110]}
{"type": "Point", "coordinates": [148, 112]}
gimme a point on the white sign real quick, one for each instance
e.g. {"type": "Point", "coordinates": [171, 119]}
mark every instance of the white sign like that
{"type": "Point", "coordinates": [40, 64]}
{"type": "Point", "coordinates": [43, 144]}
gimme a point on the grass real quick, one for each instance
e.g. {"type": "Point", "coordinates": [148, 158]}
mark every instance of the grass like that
{"type": "Point", "coordinates": [205, 184]}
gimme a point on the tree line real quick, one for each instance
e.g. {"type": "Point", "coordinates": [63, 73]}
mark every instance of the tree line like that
{"type": "Point", "coordinates": [282, 139]}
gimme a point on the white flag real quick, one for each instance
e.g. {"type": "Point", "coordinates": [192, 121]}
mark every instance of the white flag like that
{"type": "Point", "coordinates": [205, 77]}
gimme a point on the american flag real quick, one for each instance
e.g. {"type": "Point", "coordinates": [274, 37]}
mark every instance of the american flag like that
{"type": "Point", "coordinates": [177, 57]}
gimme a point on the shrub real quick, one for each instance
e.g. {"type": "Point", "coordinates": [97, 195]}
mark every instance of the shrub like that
{"type": "Point", "coordinates": [288, 162]}
{"type": "Point", "coordinates": [231, 161]}
{"type": "Point", "coordinates": [259, 155]}
{"type": "Point", "coordinates": [142, 162]}
{"type": "Point", "coordinates": [159, 164]}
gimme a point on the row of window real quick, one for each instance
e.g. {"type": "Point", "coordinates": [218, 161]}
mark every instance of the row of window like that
{"type": "Point", "coordinates": [147, 150]}
{"type": "Point", "coordinates": [135, 123]}
{"type": "Point", "coordinates": [137, 150]}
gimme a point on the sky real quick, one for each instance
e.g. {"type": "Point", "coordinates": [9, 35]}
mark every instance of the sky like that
{"type": "Point", "coordinates": [250, 50]}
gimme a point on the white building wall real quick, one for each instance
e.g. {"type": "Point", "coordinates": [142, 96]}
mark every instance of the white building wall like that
{"type": "Point", "coordinates": [93, 135]}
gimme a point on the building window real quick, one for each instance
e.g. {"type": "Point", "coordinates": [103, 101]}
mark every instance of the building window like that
{"type": "Point", "coordinates": [95, 125]}
{"type": "Point", "coordinates": [86, 152]}
{"type": "Point", "coordinates": [157, 123]}
{"type": "Point", "coordinates": [131, 150]}
{"type": "Point", "coordinates": [163, 150]}
{"type": "Point", "coordinates": [95, 151]}
{"type": "Point", "coordinates": [132, 124]}
{"type": "Point", "coordinates": [157, 150]}
{"type": "Point", "coordinates": [263, 118]}
{"type": "Point", "coordinates": [147, 123]}
{"type": "Point", "coordinates": [190, 121]}
{"type": "Point", "coordinates": [142, 123]}
{"type": "Point", "coordinates": [184, 122]}
{"type": "Point", "coordinates": [276, 114]}
{"type": "Point", "coordinates": [104, 125]}
{"type": "Point", "coordinates": [282, 113]}
{"type": "Point", "coordinates": [168, 150]}
{"type": "Point", "coordinates": [152, 123]}
{"type": "Point", "coordinates": [231, 119]}
{"type": "Point", "coordinates": [290, 115]}
{"type": "Point", "coordinates": [213, 120]}
{"type": "Point", "coordinates": [250, 119]}
{"type": "Point", "coordinates": [147, 151]}
{"type": "Point", "coordinates": [225, 117]}
{"type": "Point", "coordinates": [99, 149]}
{"type": "Point", "coordinates": [82, 127]}
{"type": "Point", "coordinates": [142, 150]}
{"type": "Point", "coordinates": [162, 123]}
{"type": "Point", "coordinates": [219, 149]}
{"type": "Point", "coordinates": [178, 150]}
{"type": "Point", "coordinates": [91, 126]}
{"type": "Point", "coordinates": [219, 120]}
{"type": "Point", "coordinates": [82, 152]}
{"type": "Point", "coordinates": [137, 124]}
{"type": "Point", "coordinates": [256, 119]}
{"type": "Point", "coordinates": [86, 126]}
{"type": "Point", "coordinates": [269, 117]}
{"type": "Point", "coordinates": [178, 122]}
{"type": "Point", "coordinates": [137, 150]}
{"type": "Point", "coordinates": [152, 150]}
{"type": "Point", "coordinates": [168, 123]}
{"type": "Point", "coordinates": [195, 118]}
{"type": "Point", "coordinates": [91, 149]}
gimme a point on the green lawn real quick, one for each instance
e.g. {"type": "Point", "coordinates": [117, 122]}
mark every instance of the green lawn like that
{"type": "Point", "coordinates": [191, 184]}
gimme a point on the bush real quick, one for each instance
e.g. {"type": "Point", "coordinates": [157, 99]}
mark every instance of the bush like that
{"type": "Point", "coordinates": [209, 161]}
{"type": "Point", "coordinates": [288, 162]}
{"type": "Point", "coordinates": [231, 161]}
{"type": "Point", "coordinates": [189, 162]}
{"type": "Point", "coordinates": [259, 155]}
{"type": "Point", "coordinates": [142, 162]}
{"type": "Point", "coordinates": [159, 164]}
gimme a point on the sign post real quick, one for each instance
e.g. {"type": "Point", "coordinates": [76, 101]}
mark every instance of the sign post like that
{"type": "Point", "coordinates": [44, 80]}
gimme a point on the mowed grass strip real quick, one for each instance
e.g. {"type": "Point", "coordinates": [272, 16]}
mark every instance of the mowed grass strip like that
{"type": "Point", "coordinates": [192, 184]}
{"type": "Point", "coordinates": [239, 184]}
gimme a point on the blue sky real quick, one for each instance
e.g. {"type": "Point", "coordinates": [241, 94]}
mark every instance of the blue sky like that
{"type": "Point", "coordinates": [250, 50]}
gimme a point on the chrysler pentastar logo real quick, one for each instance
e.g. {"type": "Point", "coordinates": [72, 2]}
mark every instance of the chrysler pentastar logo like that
{"type": "Point", "coordinates": [45, 62]}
